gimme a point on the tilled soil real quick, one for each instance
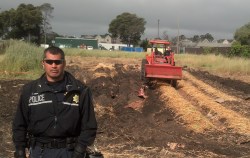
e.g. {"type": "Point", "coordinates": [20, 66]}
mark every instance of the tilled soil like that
{"type": "Point", "coordinates": [204, 116]}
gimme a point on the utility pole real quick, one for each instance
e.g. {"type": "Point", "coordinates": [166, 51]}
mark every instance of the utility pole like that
{"type": "Point", "coordinates": [178, 36]}
{"type": "Point", "coordinates": [158, 28]}
{"type": "Point", "coordinates": [45, 36]}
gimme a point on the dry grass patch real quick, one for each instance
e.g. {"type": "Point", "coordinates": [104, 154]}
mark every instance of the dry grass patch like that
{"type": "Point", "coordinates": [139, 152]}
{"type": "Point", "coordinates": [102, 65]}
{"type": "Point", "coordinates": [215, 63]}
{"type": "Point", "coordinates": [192, 118]}
{"type": "Point", "coordinates": [233, 120]}
{"type": "Point", "coordinates": [207, 88]}
{"type": "Point", "coordinates": [109, 67]}
{"type": "Point", "coordinates": [101, 110]}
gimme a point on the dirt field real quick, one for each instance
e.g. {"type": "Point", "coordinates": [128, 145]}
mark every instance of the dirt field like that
{"type": "Point", "coordinates": [205, 116]}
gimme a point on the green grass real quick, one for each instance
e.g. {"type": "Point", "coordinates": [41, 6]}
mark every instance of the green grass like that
{"type": "Point", "coordinates": [23, 60]}
{"type": "Point", "coordinates": [1, 57]}
{"type": "Point", "coordinates": [102, 53]}
{"type": "Point", "coordinates": [215, 63]}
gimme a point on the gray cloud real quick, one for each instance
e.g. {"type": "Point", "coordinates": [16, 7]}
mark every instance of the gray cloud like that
{"type": "Point", "coordinates": [76, 17]}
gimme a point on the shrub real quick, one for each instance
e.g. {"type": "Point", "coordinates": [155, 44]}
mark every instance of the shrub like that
{"type": "Point", "coordinates": [207, 50]}
{"type": "Point", "coordinates": [245, 51]}
{"type": "Point", "coordinates": [240, 50]}
{"type": "Point", "coordinates": [21, 57]}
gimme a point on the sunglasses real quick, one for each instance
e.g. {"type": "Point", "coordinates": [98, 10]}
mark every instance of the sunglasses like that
{"type": "Point", "coordinates": [50, 62]}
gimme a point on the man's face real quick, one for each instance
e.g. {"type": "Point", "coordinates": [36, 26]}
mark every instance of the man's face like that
{"type": "Point", "coordinates": [53, 67]}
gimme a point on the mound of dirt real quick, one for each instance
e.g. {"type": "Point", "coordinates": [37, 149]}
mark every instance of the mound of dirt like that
{"type": "Point", "coordinates": [130, 126]}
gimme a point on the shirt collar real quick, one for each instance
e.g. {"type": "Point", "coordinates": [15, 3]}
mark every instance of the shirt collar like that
{"type": "Point", "coordinates": [67, 85]}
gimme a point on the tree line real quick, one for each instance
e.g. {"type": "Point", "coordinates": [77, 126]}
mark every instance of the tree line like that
{"type": "Point", "coordinates": [33, 24]}
{"type": "Point", "coordinates": [242, 45]}
{"type": "Point", "coordinates": [27, 22]}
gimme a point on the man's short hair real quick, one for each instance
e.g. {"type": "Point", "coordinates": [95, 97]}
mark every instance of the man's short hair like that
{"type": "Point", "coordinates": [54, 50]}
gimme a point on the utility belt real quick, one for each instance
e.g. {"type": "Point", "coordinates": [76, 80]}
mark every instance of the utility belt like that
{"type": "Point", "coordinates": [53, 143]}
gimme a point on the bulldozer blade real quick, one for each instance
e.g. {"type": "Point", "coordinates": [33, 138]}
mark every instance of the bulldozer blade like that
{"type": "Point", "coordinates": [163, 71]}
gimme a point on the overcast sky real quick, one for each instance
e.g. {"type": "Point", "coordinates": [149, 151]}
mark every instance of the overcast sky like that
{"type": "Point", "coordinates": [196, 17]}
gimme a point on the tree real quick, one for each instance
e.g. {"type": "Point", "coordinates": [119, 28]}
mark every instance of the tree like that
{"type": "Point", "coordinates": [243, 34]}
{"type": "Point", "coordinates": [30, 19]}
{"type": "Point", "coordinates": [174, 40]}
{"type": "Point", "coordinates": [182, 37]}
{"type": "Point", "coordinates": [24, 22]}
{"type": "Point", "coordinates": [128, 27]}
{"type": "Point", "coordinates": [207, 36]}
{"type": "Point", "coordinates": [144, 44]}
{"type": "Point", "coordinates": [6, 23]}
{"type": "Point", "coordinates": [46, 10]}
{"type": "Point", "coordinates": [196, 38]}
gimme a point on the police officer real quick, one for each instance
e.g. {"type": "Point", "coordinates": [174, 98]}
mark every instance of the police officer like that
{"type": "Point", "coordinates": [55, 113]}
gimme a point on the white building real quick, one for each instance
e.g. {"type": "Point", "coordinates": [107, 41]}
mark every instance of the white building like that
{"type": "Point", "coordinates": [112, 46]}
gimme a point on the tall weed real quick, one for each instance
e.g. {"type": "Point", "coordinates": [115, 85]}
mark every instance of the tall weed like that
{"type": "Point", "coordinates": [21, 57]}
{"type": "Point", "coordinates": [215, 63]}
{"type": "Point", "coordinates": [23, 60]}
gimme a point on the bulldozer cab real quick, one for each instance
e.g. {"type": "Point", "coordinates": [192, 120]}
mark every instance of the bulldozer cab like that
{"type": "Point", "coordinates": [160, 45]}
{"type": "Point", "coordinates": [160, 52]}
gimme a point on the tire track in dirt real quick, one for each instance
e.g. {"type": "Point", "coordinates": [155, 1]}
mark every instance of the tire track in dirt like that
{"type": "Point", "coordinates": [207, 88]}
{"type": "Point", "coordinates": [192, 118]}
{"type": "Point", "coordinates": [217, 112]}
{"type": "Point", "coordinates": [199, 111]}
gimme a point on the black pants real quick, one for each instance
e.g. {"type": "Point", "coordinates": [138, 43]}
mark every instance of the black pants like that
{"type": "Point", "coordinates": [38, 152]}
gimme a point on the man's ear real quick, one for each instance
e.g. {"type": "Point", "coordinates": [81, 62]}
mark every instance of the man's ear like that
{"type": "Point", "coordinates": [42, 63]}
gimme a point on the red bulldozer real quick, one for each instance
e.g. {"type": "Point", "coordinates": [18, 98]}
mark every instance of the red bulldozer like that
{"type": "Point", "coordinates": [160, 65]}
